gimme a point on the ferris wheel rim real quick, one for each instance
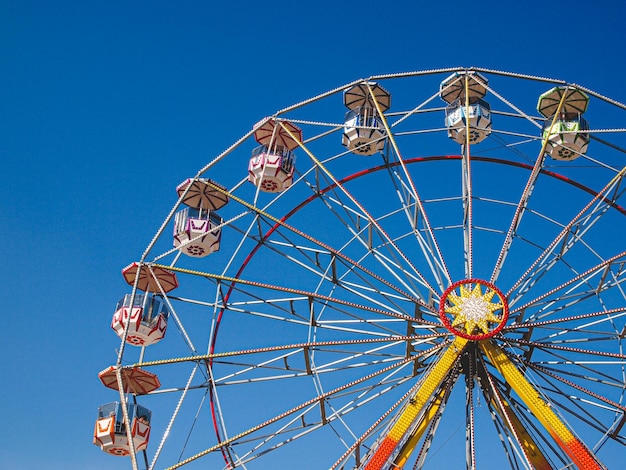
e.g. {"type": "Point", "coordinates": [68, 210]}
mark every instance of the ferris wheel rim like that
{"type": "Point", "coordinates": [410, 161]}
{"type": "Point", "coordinates": [498, 337]}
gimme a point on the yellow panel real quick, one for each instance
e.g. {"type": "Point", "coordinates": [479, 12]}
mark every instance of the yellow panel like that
{"type": "Point", "coordinates": [429, 385]}
{"type": "Point", "coordinates": [409, 446]}
{"type": "Point", "coordinates": [530, 448]}
{"type": "Point", "coordinates": [431, 382]}
{"type": "Point", "coordinates": [573, 447]}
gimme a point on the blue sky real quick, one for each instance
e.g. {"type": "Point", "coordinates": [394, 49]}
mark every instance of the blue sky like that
{"type": "Point", "coordinates": [106, 106]}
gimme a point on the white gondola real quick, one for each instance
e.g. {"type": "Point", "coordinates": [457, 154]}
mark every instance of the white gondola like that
{"type": "Point", "coordinates": [110, 433]}
{"type": "Point", "coordinates": [463, 91]}
{"type": "Point", "coordinates": [197, 232]}
{"type": "Point", "coordinates": [271, 169]}
{"type": "Point", "coordinates": [475, 116]}
{"type": "Point", "coordinates": [566, 139]}
{"type": "Point", "coordinates": [146, 319]}
{"type": "Point", "coordinates": [364, 131]}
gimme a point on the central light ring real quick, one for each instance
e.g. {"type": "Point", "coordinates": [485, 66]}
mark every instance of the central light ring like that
{"type": "Point", "coordinates": [473, 309]}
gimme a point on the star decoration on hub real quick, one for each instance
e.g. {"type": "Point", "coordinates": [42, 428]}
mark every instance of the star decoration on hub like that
{"type": "Point", "coordinates": [469, 312]}
{"type": "Point", "coordinates": [474, 309]}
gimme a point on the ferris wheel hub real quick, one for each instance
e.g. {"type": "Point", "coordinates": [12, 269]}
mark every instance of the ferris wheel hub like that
{"type": "Point", "coordinates": [473, 309]}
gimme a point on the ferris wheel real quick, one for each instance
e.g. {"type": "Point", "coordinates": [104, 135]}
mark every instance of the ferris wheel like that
{"type": "Point", "coordinates": [417, 270]}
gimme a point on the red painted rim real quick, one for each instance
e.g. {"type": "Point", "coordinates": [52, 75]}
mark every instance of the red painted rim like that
{"type": "Point", "coordinates": [448, 324]}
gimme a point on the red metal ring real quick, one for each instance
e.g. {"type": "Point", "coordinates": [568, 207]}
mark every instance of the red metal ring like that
{"type": "Point", "coordinates": [448, 324]}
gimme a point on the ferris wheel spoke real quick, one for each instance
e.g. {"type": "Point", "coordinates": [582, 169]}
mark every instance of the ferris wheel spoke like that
{"type": "Point", "coordinates": [523, 202]}
{"type": "Point", "coordinates": [575, 297]}
{"type": "Point", "coordinates": [391, 299]}
{"type": "Point", "coordinates": [383, 252]}
{"type": "Point", "coordinates": [359, 288]}
{"type": "Point", "coordinates": [414, 210]}
{"type": "Point", "coordinates": [286, 347]}
{"type": "Point", "coordinates": [618, 408]}
{"type": "Point", "coordinates": [341, 315]}
{"type": "Point", "coordinates": [300, 360]}
{"type": "Point", "coordinates": [175, 413]}
{"type": "Point", "coordinates": [419, 206]}
{"type": "Point", "coordinates": [336, 253]}
{"type": "Point", "coordinates": [281, 368]}
{"type": "Point", "coordinates": [571, 234]}
{"type": "Point", "coordinates": [297, 408]}
{"type": "Point", "coordinates": [329, 272]}
{"type": "Point", "coordinates": [586, 412]}
{"type": "Point", "coordinates": [468, 203]}
{"type": "Point", "coordinates": [180, 326]}
{"type": "Point", "coordinates": [396, 434]}
{"type": "Point", "coordinates": [352, 319]}
{"type": "Point", "coordinates": [602, 270]}
{"type": "Point", "coordinates": [372, 220]}
{"type": "Point", "coordinates": [604, 372]}
{"type": "Point", "coordinates": [304, 294]}
{"type": "Point", "coordinates": [557, 344]}
{"type": "Point", "coordinates": [519, 212]}
{"type": "Point", "coordinates": [468, 223]}
{"type": "Point", "coordinates": [608, 315]}
{"type": "Point", "coordinates": [510, 423]}
{"type": "Point", "coordinates": [470, 450]}
{"type": "Point", "coordinates": [363, 234]}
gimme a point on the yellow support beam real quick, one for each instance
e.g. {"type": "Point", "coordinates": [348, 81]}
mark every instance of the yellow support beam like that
{"type": "Point", "coordinates": [532, 452]}
{"type": "Point", "coordinates": [406, 419]}
{"type": "Point", "coordinates": [530, 449]}
{"type": "Point", "coordinates": [581, 456]}
{"type": "Point", "coordinates": [409, 446]}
